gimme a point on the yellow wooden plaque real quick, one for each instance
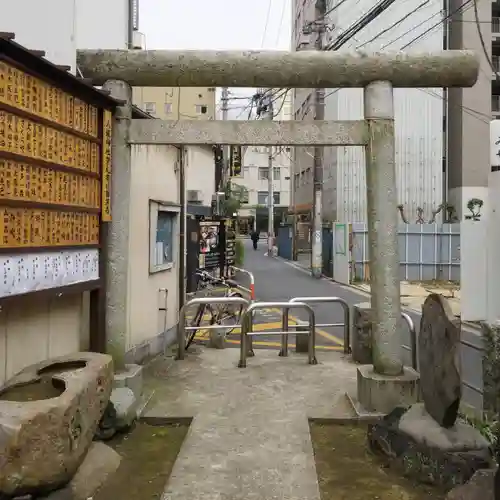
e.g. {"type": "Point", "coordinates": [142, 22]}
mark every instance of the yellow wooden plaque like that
{"type": "Point", "coordinates": [25, 228]}
{"type": "Point", "coordinates": [23, 91]}
{"type": "Point", "coordinates": [24, 182]}
{"type": "Point", "coordinates": [55, 164]}
{"type": "Point", "coordinates": [107, 123]}
{"type": "Point", "coordinates": [39, 142]}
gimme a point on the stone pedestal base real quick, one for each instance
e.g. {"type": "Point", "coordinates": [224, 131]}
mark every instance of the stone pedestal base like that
{"type": "Point", "coordinates": [217, 339]}
{"type": "Point", "coordinates": [131, 377]}
{"type": "Point", "coordinates": [302, 340]}
{"type": "Point", "coordinates": [381, 394]}
{"type": "Point", "coordinates": [361, 340]}
{"type": "Point", "coordinates": [412, 442]}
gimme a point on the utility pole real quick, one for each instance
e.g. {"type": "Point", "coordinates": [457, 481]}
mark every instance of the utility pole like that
{"type": "Point", "coordinates": [318, 27]}
{"type": "Point", "coordinates": [225, 147]}
{"type": "Point", "coordinates": [270, 183]}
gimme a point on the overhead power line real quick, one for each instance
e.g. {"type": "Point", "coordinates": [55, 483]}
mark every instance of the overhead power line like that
{"type": "Point", "coordinates": [463, 8]}
{"type": "Point", "coordinates": [393, 25]}
{"type": "Point", "coordinates": [359, 25]}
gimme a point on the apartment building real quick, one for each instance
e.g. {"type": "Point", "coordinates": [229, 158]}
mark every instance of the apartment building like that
{"type": "Point", "coordinates": [176, 103]}
{"type": "Point", "coordinates": [255, 174]}
{"type": "Point", "coordinates": [441, 135]}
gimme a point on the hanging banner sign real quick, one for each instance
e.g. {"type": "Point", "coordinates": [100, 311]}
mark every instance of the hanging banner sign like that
{"type": "Point", "coordinates": [107, 123]}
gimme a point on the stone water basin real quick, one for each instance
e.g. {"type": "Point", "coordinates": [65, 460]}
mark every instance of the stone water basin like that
{"type": "Point", "coordinates": [49, 413]}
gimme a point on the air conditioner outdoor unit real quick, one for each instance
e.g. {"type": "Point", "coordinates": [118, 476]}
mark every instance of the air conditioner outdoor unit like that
{"type": "Point", "coordinates": [193, 195]}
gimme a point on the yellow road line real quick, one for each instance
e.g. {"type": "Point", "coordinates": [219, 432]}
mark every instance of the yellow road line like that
{"type": "Point", "coordinates": [277, 344]}
{"type": "Point", "coordinates": [319, 331]}
{"type": "Point", "coordinates": [203, 334]}
{"type": "Point", "coordinates": [237, 330]}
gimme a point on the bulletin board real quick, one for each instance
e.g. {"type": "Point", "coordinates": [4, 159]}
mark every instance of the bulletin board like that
{"type": "Point", "coordinates": [55, 177]}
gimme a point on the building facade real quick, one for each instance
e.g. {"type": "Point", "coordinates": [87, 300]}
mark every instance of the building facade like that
{"type": "Point", "coordinates": [441, 152]}
{"type": "Point", "coordinates": [255, 174]}
{"type": "Point", "coordinates": [174, 103]}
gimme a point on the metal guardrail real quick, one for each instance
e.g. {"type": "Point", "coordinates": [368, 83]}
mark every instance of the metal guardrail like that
{"type": "Point", "coordinates": [247, 329]}
{"type": "Point", "coordinates": [182, 328]}
{"type": "Point", "coordinates": [413, 341]}
{"type": "Point", "coordinates": [331, 300]}
{"type": "Point", "coordinates": [251, 290]}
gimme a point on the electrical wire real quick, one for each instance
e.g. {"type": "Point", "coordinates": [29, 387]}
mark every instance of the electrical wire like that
{"type": "Point", "coordinates": [282, 103]}
{"type": "Point", "coordinates": [471, 112]}
{"type": "Point", "coordinates": [266, 25]}
{"type": "Point", "coordinates": [282, 18]}
{"type": "Point", "coordinates": [459, 10]}
{"type": "Point", "coordinates": [481, 39]}
{"type": "Point", "coordinates": [359, 25]}
{"type": "Point", "coordinates": [397, 23]}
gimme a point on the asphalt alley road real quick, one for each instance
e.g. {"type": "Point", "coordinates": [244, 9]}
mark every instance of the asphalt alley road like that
{"type": "Point", "coordinates": [279, 280]}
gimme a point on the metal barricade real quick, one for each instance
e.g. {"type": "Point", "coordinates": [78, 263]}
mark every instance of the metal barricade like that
{"type": "Point", "coordinates": [413, 341]}
{"type": "Point", "coordinates": [330, 300]}
{"type": "Point", "coordinates": [251, 290]}
{"type": "Point", "coordinates": [182, 328]}
{"type": "Point", "coordinates": [247, 329]}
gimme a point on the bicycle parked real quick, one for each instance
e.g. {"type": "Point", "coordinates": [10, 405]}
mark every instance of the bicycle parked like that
{"type": "Point", "coordinates": [218, 314]}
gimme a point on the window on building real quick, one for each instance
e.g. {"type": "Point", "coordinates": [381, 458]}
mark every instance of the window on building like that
{"type": "Point", "coordinates": [150, 107]}
{"type": "Point", "coordinates": [246, 171]}
{"type": "Point", "coordinates": [163, 236]}
{"type": "Point", "coordinates": [263, 173]}
{"type": "Point", "coordinates": [168, 108]}
{"type": "Point", "coordinates": [262, 197]}
{"type": "Point", "coordinates": [201, 109]}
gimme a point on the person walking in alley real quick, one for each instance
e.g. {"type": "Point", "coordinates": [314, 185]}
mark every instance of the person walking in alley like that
{"type": "Point", "coordinates": [255, 238]}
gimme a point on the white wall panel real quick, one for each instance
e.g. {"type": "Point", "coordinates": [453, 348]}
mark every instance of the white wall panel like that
{"type": "Point", "coordinates": [418, 112]}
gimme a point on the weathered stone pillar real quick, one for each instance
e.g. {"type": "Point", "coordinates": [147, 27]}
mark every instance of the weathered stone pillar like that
{"type": "Point", "coordinates": [381, 198]}
{"type": "Point", "coordinates": [118, 228]}
{"type": "Point", "coordinates": [387, 383]}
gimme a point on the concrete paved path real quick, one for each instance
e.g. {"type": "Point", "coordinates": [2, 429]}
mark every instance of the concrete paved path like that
{"type": "Point", "coordinates": [249, 438]}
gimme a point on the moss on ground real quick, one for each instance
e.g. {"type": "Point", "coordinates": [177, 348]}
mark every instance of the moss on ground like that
{"type": "Point", "coordinates": [148, 455]}
{"type": "Point", "coordinates": [347, 470]}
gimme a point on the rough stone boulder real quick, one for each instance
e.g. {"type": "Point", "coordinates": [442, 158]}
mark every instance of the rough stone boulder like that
{"type": "Point", "coordinates": [49, 413]}
{"type": "Point", "coordinates": [438, 352]}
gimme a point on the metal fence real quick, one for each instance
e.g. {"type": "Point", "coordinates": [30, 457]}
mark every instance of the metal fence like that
{"type": "Point", "coordinates": [427, 252]}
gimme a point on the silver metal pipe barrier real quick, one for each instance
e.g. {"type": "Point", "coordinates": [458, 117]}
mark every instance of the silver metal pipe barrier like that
{"type": "Point", "coordinates": [413, 340]}
{"type": "Point", "coordinates": [330, 300]}
{"type": "Point", "coordinates": [251, 277]}
{"type": "Point", "coordinates": [182, 328]}
{"type": "Point", "coordinates": [247, 328]}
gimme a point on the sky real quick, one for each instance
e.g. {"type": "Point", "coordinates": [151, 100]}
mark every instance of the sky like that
{"type": "Point", "coordinates": [217, 25]}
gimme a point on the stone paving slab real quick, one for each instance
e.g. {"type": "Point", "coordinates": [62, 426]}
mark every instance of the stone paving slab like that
{"type": "Point", "coordinates": [249, 438]}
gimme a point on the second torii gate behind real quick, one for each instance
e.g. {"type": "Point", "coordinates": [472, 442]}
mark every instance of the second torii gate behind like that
{"type": "Point", "coordinates": [376, 73]}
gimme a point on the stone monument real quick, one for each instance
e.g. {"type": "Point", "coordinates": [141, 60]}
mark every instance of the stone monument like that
{"type": "Point", "coordinates": [427, 441]}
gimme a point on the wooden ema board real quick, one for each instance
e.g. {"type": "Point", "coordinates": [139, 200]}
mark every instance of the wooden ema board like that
{"type": "Point", "coordinates": [55, 165]}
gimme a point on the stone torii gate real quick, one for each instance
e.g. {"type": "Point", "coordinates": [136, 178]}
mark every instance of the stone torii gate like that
{"type": "Point", "coordinates": [378, 74]}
